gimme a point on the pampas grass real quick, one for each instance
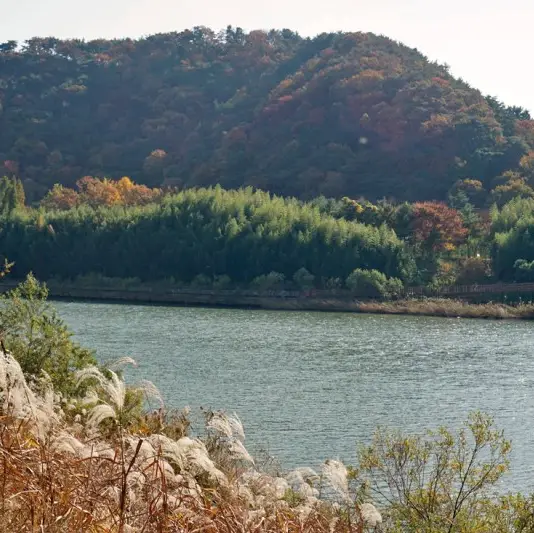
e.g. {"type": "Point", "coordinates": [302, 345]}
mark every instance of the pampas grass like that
{"type": "Point", "coordinates": [60, 476]}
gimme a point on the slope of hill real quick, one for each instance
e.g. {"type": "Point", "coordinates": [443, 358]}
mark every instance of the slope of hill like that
{"type": "Point", "coordinates": [340, 114]}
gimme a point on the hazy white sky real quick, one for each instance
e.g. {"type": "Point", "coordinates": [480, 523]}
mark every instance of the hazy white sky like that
{"type": "Point", "coordinates": [489, 43]}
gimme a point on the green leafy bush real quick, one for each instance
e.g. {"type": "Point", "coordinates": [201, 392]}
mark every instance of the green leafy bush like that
{"type": "Point", "coordinates": [201, 281]}
{"type": "Point", "coordinates": [222, 282]}
{"type": "Point", "coordinates": [273, 280]}
{"type": "Point", "coordinates": [441, 482]}
{"type": "Point", "coordinates": [524, 270]}
{"type": "Point", "coordinates": [374, 284]}
{"type": "Point", "coordinates": [38, 338]}
{"type": "Point", "coordinates": [303, 278]}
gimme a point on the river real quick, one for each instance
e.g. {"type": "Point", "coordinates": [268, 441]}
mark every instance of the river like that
{"type": "Point", "coordinates": [310, 386]}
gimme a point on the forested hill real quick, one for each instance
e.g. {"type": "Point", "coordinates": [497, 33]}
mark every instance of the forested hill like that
{"type": "Point", "coordinates": [338, 115]}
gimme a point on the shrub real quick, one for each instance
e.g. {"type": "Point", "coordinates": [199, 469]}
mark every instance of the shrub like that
{"type": "Point", "coordinates": [441, 482]}
{"type": "Point", "coordinates": [446, 274]}
{"type": "Point", "coordinates": [524, 270]}
{"type": "Point", "coordinates": [38, 338]}
{"type": "Point", "coordinates": [474, 270]}
{"type": "Point", "coordinates": [394, 288]}
{"type": "Point", "coordinates": [201, 281]}
{"type": "Point", "coordinates": [333, 283]}
{"type": "Point", "coordinates": [222, 282]}
{"type": "Point", "coordinates": [303, 278]}
{"type": "Point", "coordinates": [374, 284]}
{"type": "Point", "coordinates": [273, 280]}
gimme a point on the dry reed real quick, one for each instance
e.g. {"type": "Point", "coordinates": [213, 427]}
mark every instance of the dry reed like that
{"type": "Point", "coordinates": [444, 307]}
{"type": "Point", "coordinates": [57, 476]}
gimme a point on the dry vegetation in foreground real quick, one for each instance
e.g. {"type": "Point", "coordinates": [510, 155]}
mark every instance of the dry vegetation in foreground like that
{"type": "Point", "coordinates": [446, 307]}
{"type": "Point", "coordinates": [95, 474]}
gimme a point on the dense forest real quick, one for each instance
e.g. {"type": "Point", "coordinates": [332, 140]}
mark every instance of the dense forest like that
{"type": "Point", "coordinates": [344, 114]}
{"type": "Point", "coordinates": [105, 230]}
{"type": "Point", "coordinates": [201, 236]}
{"type": "Point", "coordinates": [259, 159]}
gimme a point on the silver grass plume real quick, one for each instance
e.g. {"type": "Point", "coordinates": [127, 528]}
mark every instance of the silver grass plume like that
{"type": "Point", "coordinates": [151, 391]}
{"type": "Point", "coordinates": [18, 400]}
{"type": "Point", "coordinates": [302, 476]}
{"type": "Point", "coordinates": [231, 429]}
{"type": "Point", "coordinates": [370, 515]}
{"type": "Point", "coordinates": [111, 400]}
{"type": "Point", "coordinates": [120, 363]}
{"type": "Point", "coordinates": [113, 394]}
{"type": "Point", "coordinates": [16, 397]}
{"type": "Point", "coordinates": [238, 451]}
{"type": "Point", "coordinates": [335, 475]}
{"type": "Point", "coordinates": [189, 455]}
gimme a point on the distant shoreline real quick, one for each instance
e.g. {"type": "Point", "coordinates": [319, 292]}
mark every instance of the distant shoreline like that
{"type": "Point", "coordinates": [331, 301]}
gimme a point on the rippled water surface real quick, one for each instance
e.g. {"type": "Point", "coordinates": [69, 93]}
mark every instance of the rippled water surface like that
{"type": "Point", "coordinates": [309, 386]}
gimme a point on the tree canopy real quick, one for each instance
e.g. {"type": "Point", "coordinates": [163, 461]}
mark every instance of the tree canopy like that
{"type": "Point", "coordinates": [340, 114]}
{"type": "Point", "coordinates": [206, 233]}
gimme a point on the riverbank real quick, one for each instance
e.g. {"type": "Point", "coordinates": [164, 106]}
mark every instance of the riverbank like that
{"type": "Point", "coordinates": [444, 307]}
{"type": "Point", "coordinates": [283, 300]}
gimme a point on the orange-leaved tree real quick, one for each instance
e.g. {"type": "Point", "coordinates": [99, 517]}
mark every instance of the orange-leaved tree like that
{"type": "Point", "coordinates": [100, 192]}
{"type": "Point", "coordinates": [60, 197]}
{"type": "Point", "coordinates": [133, 194]}
{"type": "Point", "coordinates": [437, 227]}
{"type": "Point", "coordinates": [97, 192]}
{"type": "Point", "coordinates": [526, 164]}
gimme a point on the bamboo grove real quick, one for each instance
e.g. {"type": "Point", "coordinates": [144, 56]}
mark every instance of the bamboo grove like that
{"type": "Point", "coordinates": [207, 232]}
{"type": "Point", "coordinates": [220, 238]}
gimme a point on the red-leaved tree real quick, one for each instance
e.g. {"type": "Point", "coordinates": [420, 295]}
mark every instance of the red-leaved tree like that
{"type": "Point", "coordinates": [437, 227]}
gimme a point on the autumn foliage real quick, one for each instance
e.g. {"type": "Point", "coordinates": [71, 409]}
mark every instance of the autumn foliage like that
{"type": "Point", "coordinates": [100, 192]}
{"type": "Point", "coordinates": [437, 226]}
{"type": "Point", "coordinates": [340, 114]}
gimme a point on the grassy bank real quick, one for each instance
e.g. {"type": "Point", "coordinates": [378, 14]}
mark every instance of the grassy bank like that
{"type": "Point", "coordinates": [446, 307]}
{"type": "Point", "coordinates": [283, 300]}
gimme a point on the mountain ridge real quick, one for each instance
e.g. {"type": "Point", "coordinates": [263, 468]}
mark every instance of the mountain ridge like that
{"type": "Point", "coordinates": [340, 114]}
